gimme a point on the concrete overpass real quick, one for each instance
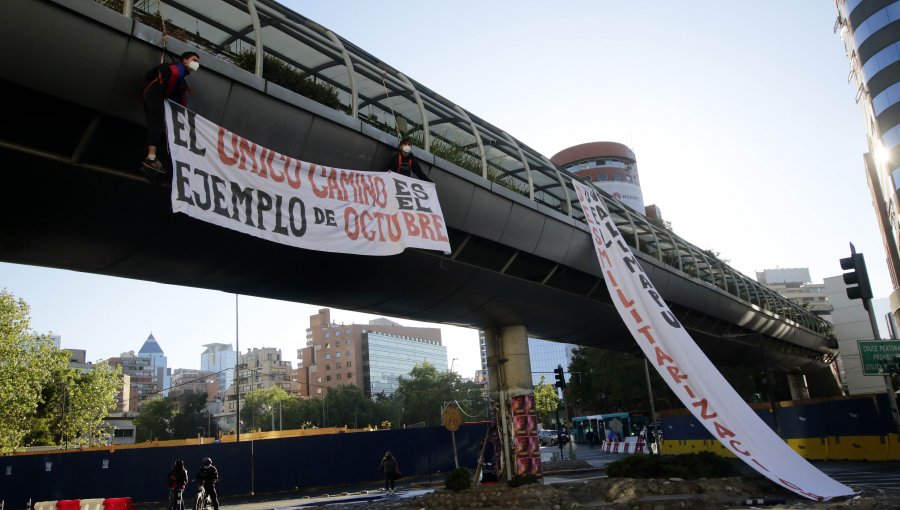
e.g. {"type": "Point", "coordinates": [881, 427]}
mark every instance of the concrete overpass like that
{"type": "Point", "coordinates": [74, 198]}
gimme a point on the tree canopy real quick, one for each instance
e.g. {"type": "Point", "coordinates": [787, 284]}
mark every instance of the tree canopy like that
{"type": "Point", "coordinates": [42, 400]}
{"type": "Point", "coordinates": [424, 391]}
{"type": "Point", "coordinates": [546, 401]}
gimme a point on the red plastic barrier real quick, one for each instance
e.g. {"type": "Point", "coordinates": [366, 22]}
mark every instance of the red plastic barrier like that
{"type": "Point", "coordinates": [68, 504]}
{"type": "Point", "coordinates": [117, 504]}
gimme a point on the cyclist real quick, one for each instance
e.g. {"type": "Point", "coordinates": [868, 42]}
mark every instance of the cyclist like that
{"type": "Point", "coordinates": [208, 476]}
{"type": "Point", "coordinates": [178, 478]}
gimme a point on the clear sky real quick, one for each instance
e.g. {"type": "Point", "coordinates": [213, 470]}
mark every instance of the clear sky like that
{"type": "Point", "coordinates": [740, 114]}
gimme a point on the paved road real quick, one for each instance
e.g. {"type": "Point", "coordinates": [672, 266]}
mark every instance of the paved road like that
{"type": "Point", "coordinates": [883, 476]}
{"type": "Point", "coordinates": [865, 476]}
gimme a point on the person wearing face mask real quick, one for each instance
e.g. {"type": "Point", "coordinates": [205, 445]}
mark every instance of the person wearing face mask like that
{"type": "Point", "coordinates": [403, 162]}
{"type": "Point", "coordinates": [166, 81]}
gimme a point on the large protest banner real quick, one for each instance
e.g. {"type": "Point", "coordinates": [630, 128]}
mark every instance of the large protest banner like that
{"type": "Point", "coordinates": [688, 371]}
{"type": "Point", "coordinates": [227, 180]}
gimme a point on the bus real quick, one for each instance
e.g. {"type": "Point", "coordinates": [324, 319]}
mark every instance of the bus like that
{"type": "Point", "coordinates": [622, 424]}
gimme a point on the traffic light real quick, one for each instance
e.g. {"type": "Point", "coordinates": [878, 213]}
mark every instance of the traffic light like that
{"type": "Point", "coordinates": [858, 277]}
{"type": "Point", "coordinates": [560, 377]}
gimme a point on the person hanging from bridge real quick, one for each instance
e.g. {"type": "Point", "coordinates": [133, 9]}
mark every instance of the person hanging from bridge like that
{"type": "Point", "coordinates": [403, 162]}
{"type": "Point", "coordinates": [165, 81]}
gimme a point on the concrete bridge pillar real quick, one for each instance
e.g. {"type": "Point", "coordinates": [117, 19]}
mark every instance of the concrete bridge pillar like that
{"type": "Point", "coordinates": [509, 376]}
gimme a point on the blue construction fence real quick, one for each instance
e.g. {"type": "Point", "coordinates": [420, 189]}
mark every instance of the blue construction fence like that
{"type": "Point", "coordinates": [849, 428]}
{"type": "Point", "coordinates": [261, 467]}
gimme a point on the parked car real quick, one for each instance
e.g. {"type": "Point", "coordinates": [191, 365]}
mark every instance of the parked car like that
{"type": "Point", "coordinates": [547, 437]}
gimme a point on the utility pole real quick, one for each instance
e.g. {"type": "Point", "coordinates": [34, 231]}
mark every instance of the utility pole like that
{"type": "Point", "coordinates": [237, 373]}
{"type": "Point", "coordinates": [560, 385]}
{"type": "Point", "coordinates": [888, 384]}
{"type": "Point", "coordinates": [652, 407]}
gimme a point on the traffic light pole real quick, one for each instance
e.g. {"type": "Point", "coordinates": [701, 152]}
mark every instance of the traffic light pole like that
{"type": "Point", "coordinates": [861, 288]}
{"type": "Point", "coordinates": [561, 387]}
{"type": "Point", "coordinates": [888, 384]}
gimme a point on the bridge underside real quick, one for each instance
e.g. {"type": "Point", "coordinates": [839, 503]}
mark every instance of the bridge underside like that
{"type": "Point", "coordinates": [75, 200]}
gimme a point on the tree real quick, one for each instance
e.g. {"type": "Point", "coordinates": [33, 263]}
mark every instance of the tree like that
{"type": "Point", "coordinates": [88, 398]}
{"type": "Point", "coordinates": [259, 407]}
{"type": "Point", "coordinates": [190, 418]}
{"type": "Point", "coordinates": [301, 414]}
{"type": "Point", "coordinates": [27, 362]}
{"type": "Point", "coordinates": [154, 420]}
{"type": "Point", "coordinates": [386, 411]}
{"type": "Point", "coordinates": [347, 405]}
{"type": "Point", "coordinates": [612, 381]}
{"type": "Point", "coordinates": [422, 394]}
{"type": "Point", "coordinates": [546, 401]}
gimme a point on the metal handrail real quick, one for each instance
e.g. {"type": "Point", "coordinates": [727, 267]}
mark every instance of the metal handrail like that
{"type": "Point", "coordinates": [360, 63]}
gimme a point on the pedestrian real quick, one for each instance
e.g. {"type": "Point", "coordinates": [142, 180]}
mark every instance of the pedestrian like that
{"type": "Point", "coordinates": [391, 471]}
{"type": "Point", "coordinates": [208, 476]}
{"type": "Point", "coordinates": [178, 478]}
{"type": "Point", "coordinates": [404, 163]}
{"type": "Point", "coordinates": [590, 438]}
{"type": "Point", "coordinates": [165, 81]}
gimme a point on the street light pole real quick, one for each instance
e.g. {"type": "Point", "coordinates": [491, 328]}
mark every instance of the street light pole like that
{"type": "Point", "coordinates": [652, 408]}
{"type": "Point", "coordinates": [237, 373]}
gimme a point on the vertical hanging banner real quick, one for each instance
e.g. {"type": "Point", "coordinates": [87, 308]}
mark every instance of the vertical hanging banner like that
{"type": "Point", "coordinates": [224, 179]}
{"type": "Point", "coordinates": [688, 371]}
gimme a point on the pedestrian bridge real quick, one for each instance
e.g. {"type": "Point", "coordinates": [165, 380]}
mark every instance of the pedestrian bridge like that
{"type": "Point", "coordinates": [74, 198]}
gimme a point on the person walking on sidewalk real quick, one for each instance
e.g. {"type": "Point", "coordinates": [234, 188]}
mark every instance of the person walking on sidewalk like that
{"type": "Point", "coordinates": [391, 471]}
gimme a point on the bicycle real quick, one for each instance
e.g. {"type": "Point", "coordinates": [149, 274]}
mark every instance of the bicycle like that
{"type": "Point", "coordinates": [203, 500]}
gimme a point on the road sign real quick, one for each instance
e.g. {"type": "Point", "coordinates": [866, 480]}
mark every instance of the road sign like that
{"type": "Point", "coordinates": [878, 357]}
{"type": "Point", "coordinates": [452, 418]}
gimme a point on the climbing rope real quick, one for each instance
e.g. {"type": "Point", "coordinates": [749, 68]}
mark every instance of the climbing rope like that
{"type": "Point", "coordinates": [165, 34]}
{"type": "Point", "coordinates": [390, 99]}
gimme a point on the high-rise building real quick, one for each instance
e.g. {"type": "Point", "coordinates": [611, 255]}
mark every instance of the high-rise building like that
{"type": "Point", "coordinates": [219, 359]}
{"type": "Point", "coordinates": [610, 165]}
{"type": "Point", "coordinates": [796, 285]}
{"type": "Point", "coordinates": [546, 356]}
{"type": "Point", "coordinates": [259, 369]}
{"type": "Point", "coordinates": [870, 30]}
{"type": "Point", "coordinates": [158, 363]}
{"type": "Point", "coordinates": [370, 356]}
{"type": "Point", "coordinates": [140, 377]}
{"type": "Point", "coordinates": [189, 381]}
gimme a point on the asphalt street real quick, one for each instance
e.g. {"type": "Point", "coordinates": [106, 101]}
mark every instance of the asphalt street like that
{"type": "Point", "coordinates": [878, 476]}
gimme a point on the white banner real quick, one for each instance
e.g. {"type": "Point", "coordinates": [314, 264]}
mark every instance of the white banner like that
{"type": "Point", "coordinates": [224, 179]}
{"type": "Point", "coordinates": [688, 371]}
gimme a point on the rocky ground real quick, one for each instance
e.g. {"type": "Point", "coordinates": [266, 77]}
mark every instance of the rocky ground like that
{"type": "Point", "coordinates": [625, 494]}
